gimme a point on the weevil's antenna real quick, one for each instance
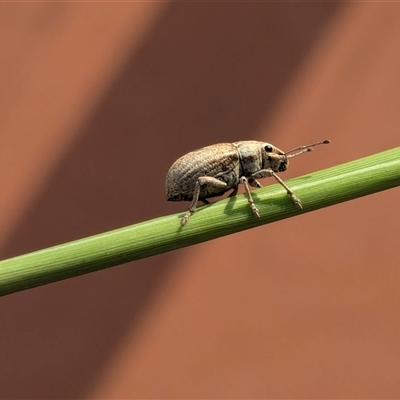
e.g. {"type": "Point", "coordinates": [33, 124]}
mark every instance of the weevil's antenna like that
{"type": "Point", "coordinates": [305, 149]}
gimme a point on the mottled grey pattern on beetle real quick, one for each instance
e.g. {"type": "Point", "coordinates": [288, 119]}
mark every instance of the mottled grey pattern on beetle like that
{"type": "Point", "coordinates": [213, 170]}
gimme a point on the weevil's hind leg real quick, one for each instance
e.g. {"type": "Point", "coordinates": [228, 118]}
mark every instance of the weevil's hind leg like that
{"type": "Point", "coordinates": [249, 198]}
{"type": "Point", "coordinates": [193, 204]}
{"type": "Point", "coordinates": [201, 181]}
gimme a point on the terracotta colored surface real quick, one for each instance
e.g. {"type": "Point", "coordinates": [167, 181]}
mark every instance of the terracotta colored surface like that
{"type": "Point", "coordinates": [98, 99]}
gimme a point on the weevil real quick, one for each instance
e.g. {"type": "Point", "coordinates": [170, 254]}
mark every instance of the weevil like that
{"type": "Point", "coordinates": [213, 170]}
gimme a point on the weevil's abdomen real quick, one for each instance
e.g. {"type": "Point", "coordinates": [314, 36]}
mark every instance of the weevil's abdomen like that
{"type": "Point", "coordinates": [220, 161]}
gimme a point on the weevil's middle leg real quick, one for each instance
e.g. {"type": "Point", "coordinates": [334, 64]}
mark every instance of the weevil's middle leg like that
{"type": "Point", "coordinates": [234, 192]}
{"type": "Point", "coordinates": [201, 181]}
{"type": "Point", "coordinates": [248, 195]}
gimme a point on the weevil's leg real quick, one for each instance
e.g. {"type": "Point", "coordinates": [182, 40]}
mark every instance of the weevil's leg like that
{"type": "Point", "coordinates": [201, 181]}
{"type": "Point", "coordinates": [234, 192]}
{"type": "Point", "coordinates": [295, 199]}
{"type": "Point", "coordinates": [265, 173]}
{"type": "Point", "coordinates": [254, 183]}
{"type": "Point", "coordinates": [249, 198]}
{"type": "Point", "coordinates": [193, 204]}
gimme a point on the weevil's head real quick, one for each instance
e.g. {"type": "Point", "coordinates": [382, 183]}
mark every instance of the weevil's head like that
{"type": "Point", "coordinates": [274, 158]}
{"type": "Point", "coordinates": [278, 161]}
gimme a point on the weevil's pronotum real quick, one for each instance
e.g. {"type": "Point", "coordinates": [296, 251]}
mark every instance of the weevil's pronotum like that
{"type": "Point", "coordinates": [213, 170]}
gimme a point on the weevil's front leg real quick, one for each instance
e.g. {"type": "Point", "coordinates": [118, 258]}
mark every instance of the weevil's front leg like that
{"type": "Point", "coordinates": [254, 183]}
{"type": "Point", "coordinates": [266, 173]}
{"type": "Point", "coordinates": [248, 195]}
{"type": "Point", "coordinates": [201, 181]}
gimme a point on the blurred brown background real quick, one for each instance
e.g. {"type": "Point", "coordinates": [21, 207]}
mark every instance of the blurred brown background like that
{"type": "Point", "coordinates": [96, 102]}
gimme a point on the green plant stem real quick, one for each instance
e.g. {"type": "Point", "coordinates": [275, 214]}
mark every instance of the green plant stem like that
{"type": "Point", "coordinates": [317, 190]}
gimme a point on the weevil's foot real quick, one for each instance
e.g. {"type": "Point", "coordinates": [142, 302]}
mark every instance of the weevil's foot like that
{"type": "Point", "coordinates": [255, 210]}
{"type": "Point", "coordinates": [296, 201]}
{"type": "Point", "coordinates": [185, 218]}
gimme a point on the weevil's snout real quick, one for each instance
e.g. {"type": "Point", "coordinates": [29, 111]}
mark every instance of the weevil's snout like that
{"type": "Point", "coordinates": [283, 164]}
{"type": "Point", "coordinates": [277, 162]}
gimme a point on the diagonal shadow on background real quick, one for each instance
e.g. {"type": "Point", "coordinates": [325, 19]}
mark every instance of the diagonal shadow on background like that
{"type": "Point", "coordinates": [204, 74]}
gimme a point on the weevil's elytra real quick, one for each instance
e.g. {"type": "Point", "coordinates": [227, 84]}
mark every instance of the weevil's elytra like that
{"type": "Point", "coordinates": [213, 170]}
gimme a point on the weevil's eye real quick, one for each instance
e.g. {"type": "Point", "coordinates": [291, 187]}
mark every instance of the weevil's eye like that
{"type": "Point", "coordinates": [268, 148]}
